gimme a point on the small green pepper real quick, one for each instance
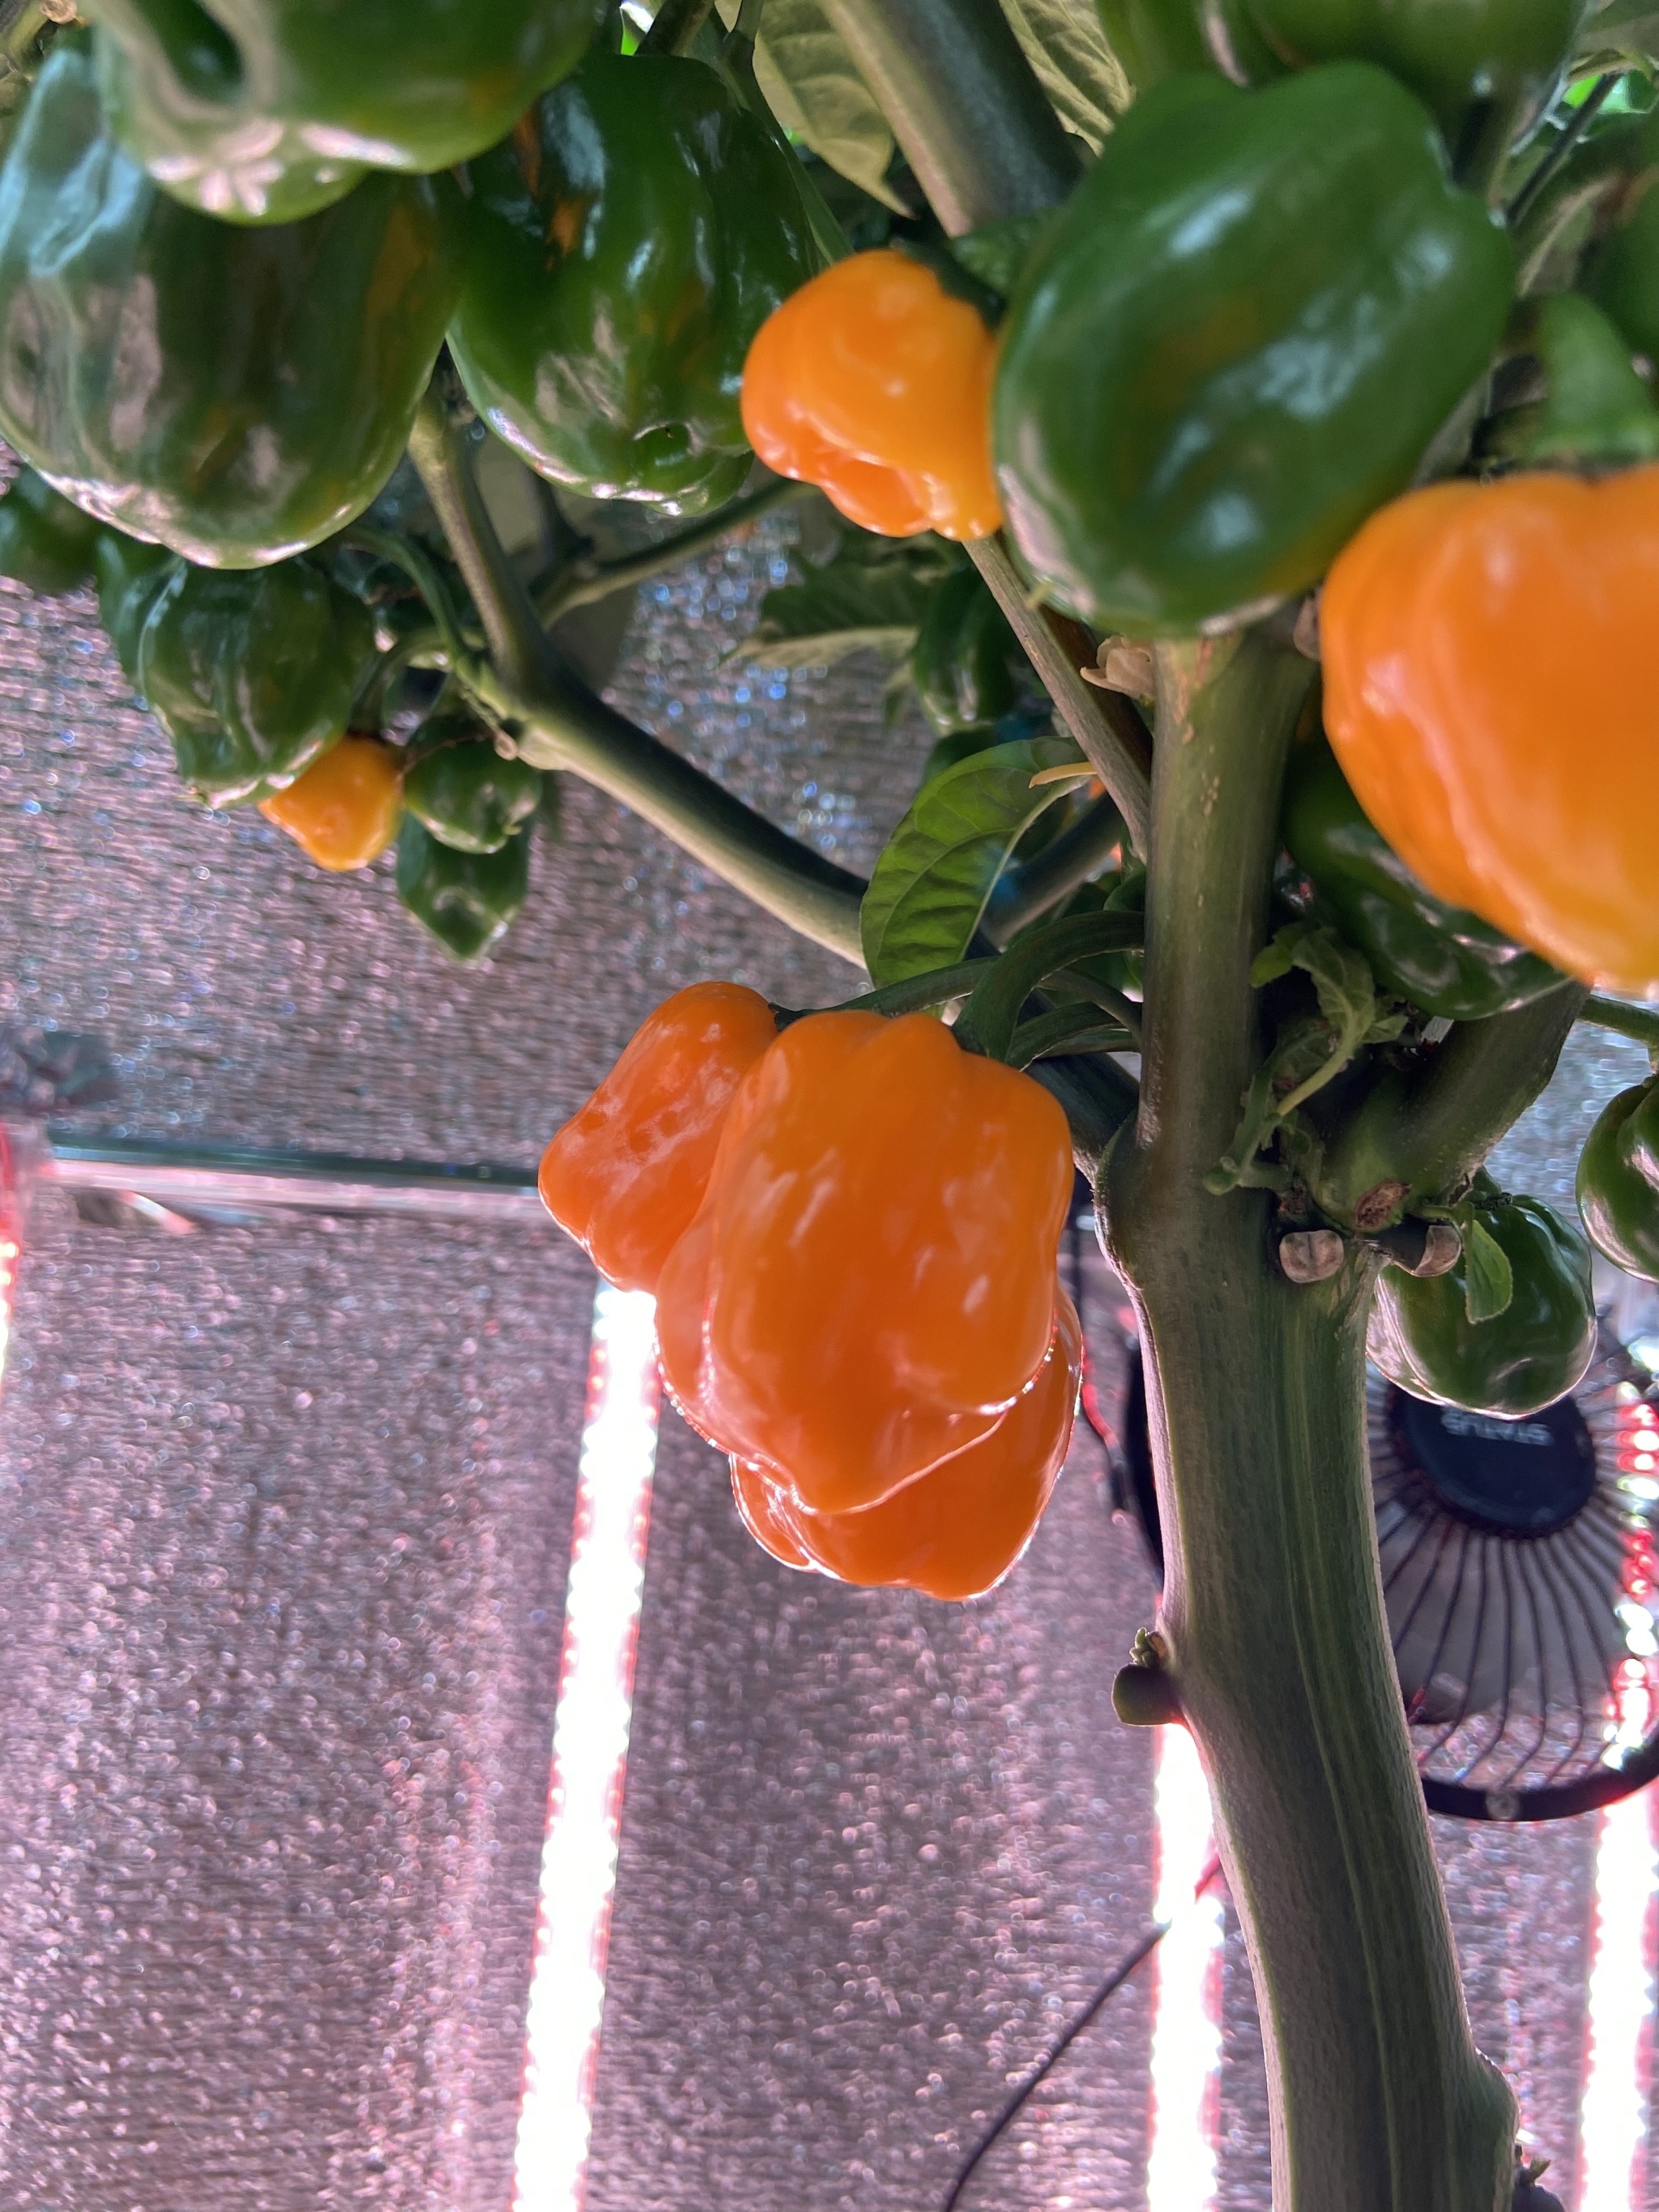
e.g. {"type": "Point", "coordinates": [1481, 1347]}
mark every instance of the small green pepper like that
{"type": "Point", "coordinates": [1485, 68]}
{"type": "Point", "coordinates": [1443, 960]}
{"type": "Point", "coordinates": [1619, 1181]}
{"type": "Point", "coordinates": [131, 575]}
{"type": "Point", "coordinates": [1155, 38]}
{"type": "Point", "coordinates": [238, 394]}
{"type": "Point", "coordinates": [628, 241]}
{"type": "Point", "coordinates": [469, 797]}
{"type": "Point", "coordinates": [1235, 341]}
{"type": "Point", "coordinates": [466, 899]}
{"type": "Point", "coordinates": [1621, 271]}
{"type": "Point", "coordinates": [966, 662]}
{"type": "Point", "coordinates": [1520, 1360]}
{"type": "Point", "coordinates": [45, 542]}
{"type": "Point", "coordinates": [252, 676]}
{"type": "Point", "coordinates": [264, 110]}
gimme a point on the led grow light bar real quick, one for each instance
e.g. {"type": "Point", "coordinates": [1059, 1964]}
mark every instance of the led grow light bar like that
{"type": "Point", "coordinates": [590, 1755]}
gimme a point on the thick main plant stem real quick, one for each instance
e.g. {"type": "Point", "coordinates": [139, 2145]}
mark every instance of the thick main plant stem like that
{"type": "Point", "coordinates": [1273, 1610]}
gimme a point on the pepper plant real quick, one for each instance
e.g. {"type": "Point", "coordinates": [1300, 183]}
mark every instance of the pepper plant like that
{"type": "Point", "coordinates": [1239, 417]}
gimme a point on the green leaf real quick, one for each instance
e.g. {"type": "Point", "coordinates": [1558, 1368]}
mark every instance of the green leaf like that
{"type": "Point", "coordinates": [1627, 31]}
{"type": "Point", "coordinates": [1488, 1278]}
{"type": "Point", "coordinates": [1066, 45]}
{"type": "Point", "coordinates": [929, 887]}
{"type": "Point", "coordinates": [808, 80]}
{"type": "Point", "coordinates": [871, 594]}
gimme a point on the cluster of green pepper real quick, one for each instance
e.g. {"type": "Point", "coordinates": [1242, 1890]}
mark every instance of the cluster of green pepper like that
{"type": "Point", "coordinates": [232, 245]}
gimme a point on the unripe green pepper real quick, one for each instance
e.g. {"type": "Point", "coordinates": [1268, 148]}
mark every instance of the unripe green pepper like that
{"type": "Point", "coordinates": [238, 394]}
{"type": "Point", "coordinates": [1235, 341]}
{"type": "Point", "coordinates": [1520, 1360]}
{"type": "Point", "coordinates": [1484, 69]}
{"type": "Point", "coordinates": [1619, 1181]}
{"type": "Point", "coordinates": [966, 662]}
{"type": "Point", "coordinates": [252, 676]}
{"type": "Point", "coordinates": [466, 900]}
{"type": "Point", "coordinates": [457, 785]}
{"type": "Point", "coordinates": [628, 241]}
{"type": "Point", "coordinates": [264, 110]}
{"type": "Point", "coordinates": [1621, 271]}
{"type": "Point", "coordinates": [45, 542]}
{"type": "Point", "coordinates": [1155, 38]}
{"type": "Point", "coordinates": [131, 575]}
{"type": "Point", "coordinates": [1443, 960]}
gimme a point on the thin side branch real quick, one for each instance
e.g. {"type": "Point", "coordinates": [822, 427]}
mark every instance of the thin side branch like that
{"type": "Point", "coordinates": [556, 722]}
{"type": "Point", "coordinates": [1641, 1022]}
{"type": "Point", "coordinates": [585, 580]}
{"type": "Point", "coordinates": [1106, 725]}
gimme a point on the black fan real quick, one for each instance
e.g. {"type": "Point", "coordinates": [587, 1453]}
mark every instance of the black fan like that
{"type": "Point", "coordinates": [1521, 1571]}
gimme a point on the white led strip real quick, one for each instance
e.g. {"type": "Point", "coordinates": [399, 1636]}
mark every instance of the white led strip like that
{"type": "Point", "coordinates": [590, 1755]}
{"type": "Point", "coordinates": [1180, 2164]}
{"type": "Point", "coordinates": [1612, 2123]}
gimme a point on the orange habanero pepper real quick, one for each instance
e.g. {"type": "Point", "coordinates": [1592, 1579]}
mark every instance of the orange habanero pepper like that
{"type": "Point", "coordinates": [344, 811]}
{"type": "Point", "coordinates": [1490, 691]}
{"type": "Point", "coordinates": [869, 1284]}
{"type": "Point", "coordinates": [627, 1174]}
{"type": "Point", "coordinates": [955, 1531]}
{"type": "Point", "coordinates": [873, 382]}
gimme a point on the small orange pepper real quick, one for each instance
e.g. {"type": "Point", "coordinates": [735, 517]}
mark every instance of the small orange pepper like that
{"type": "Point", "coordinates": [869, 1284]}
{"type": "Point", "coordinates": [1490, 691]}
{"type": "Point", "coordinates": [874, 383]}
{"type": "Point", "coordinates": [344, 811]}
{"type": "Point", "coordinates": [626, 1175]}
{"type": "Point", "coordinates": [955, 1531]}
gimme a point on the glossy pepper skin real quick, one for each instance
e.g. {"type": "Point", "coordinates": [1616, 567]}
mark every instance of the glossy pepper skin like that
{"type": "Point", "coordinates": [1619, 1181]}
{"type": "Point", "coordinates": [628, 239]}
{"type": "Point", "coordinates": [253, 675]}
{"type": "Point", "coordinates": [1488, 655]}
{"type": "Point", "coordinates": [459, 786]}
{"type": "Point", "coordinates": [1246, 325]}
{"type": "Point", "coordinates": [966, 662]}
{"type": "Point", "coordinates": [1445, 960]}
{"type": "Point", "coordinates": [237, 394]}
{"type": "Point", "coordinates": [1521, 1361]}
{"type": "Point", "coordinates": [45, 542]}
{"type": "Point", "coordinates": [344, 810]}
{"type": "Point", "coordinates": [1621, 272]}
{"type": "Point", "coordinates": [626, 1176]}
{"type": "Point", "coordinates": [873, 382]}
{"type": "Point", "coordinates": [1485, 68]}
{"type": "Point", "coordinates": [953, 1533]}
{"type": "Point", "coordinates": [870, 1283]}
{"type": "Point", "coordinates": [466, 899]}
{"type": "Point", "coordinates": [265, 111]}
{"type": "Point", "coordinates": [130, 575]}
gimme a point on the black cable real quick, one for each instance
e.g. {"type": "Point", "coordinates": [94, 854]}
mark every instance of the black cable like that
{"type": "Point", "coordinates": [1113, 1982]}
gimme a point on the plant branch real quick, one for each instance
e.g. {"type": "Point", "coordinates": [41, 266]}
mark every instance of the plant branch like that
{"type": "Point", "coordinates": [1107, 726]}
{"type": "Point", "coordinates": [675, 25]}
{"type": "Point", "coordinates": [1099, 1098]}
{"type": "Point", "coordinates": [1641, 1022]}
{"type": "Point", "coordinates": [556, 722]}
{"type": "Point", "coordinates": [582, 581]}
{"type": "Point", "coordinates": [404, 553]}
{"type": "Point", "coordinates": [964, 104]}
{"type": "Point", "coordinates": [1031, 887]}
{"type": "Point", "coordinates": [1420, 1133]}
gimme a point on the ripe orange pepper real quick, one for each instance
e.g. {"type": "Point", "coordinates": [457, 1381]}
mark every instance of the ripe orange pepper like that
{"type": "Point", "coordinates": [1490, 691]}
{"type": "Point", "coordinates": [627, 1174]}
{"type": "Point", "coordinates": [954, 1532]}
{"type": "Point", "coordinates": [344, 811]}
{"type": "Point", "coordinates": [873, 382]}
{"type": "Point", "coordinates": [870, 1284]}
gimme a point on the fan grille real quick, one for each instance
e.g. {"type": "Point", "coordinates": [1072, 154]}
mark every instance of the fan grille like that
{"type": "Point", "coordinates": [1529, 1662]}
